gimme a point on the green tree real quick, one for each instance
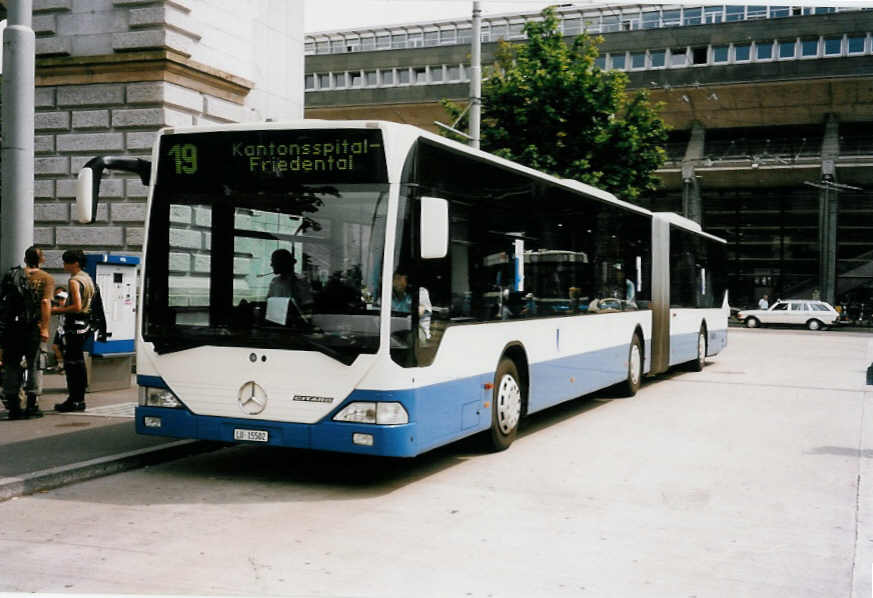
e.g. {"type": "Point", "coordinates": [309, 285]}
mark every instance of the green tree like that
{"type": "Point", "coordinates": [548, 106]}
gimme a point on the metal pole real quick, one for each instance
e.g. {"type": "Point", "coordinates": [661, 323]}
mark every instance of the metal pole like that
{"type": "Point", "coordinates": [476, 76]}
{"type": "Point", "coordinates": [16, 201]}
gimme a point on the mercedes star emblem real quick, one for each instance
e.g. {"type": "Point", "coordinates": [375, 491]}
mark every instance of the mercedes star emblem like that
{"type": "Point", "coordinates": [252, 398]}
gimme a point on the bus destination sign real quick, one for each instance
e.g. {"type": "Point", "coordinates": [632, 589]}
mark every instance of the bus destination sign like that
{"type": "Point", "coordinates": [257, 159]}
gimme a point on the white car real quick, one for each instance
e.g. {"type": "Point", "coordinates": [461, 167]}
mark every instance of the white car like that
{"type": "Point", "coordinates": [811, 313]}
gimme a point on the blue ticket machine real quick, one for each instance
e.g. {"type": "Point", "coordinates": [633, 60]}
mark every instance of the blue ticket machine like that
{"type": "Point", "coordinates": [111, 359]}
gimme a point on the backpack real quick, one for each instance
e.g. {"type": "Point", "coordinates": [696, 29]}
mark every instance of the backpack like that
{"type": "Point", "coordinates": [98, 316]}
{"type": "Point", "coordinates": [19, 302]}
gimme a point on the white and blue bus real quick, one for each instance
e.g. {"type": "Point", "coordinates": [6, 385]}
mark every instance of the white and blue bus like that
{"type": "Point", "coordinates": [370, 287]}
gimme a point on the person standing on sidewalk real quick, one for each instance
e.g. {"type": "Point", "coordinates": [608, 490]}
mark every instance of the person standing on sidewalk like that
{"type": "Point", "coordinates": [77, 329]}
{"type": "Point", "coordinates": [24, 324]}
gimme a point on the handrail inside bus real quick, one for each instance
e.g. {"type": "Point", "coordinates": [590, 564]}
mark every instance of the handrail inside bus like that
{"type": "Point", "coordinates": [88, 185]}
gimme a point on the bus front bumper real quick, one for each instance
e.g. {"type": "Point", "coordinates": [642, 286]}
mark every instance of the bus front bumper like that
{"type": "Point", "coordinates": [367, 439]}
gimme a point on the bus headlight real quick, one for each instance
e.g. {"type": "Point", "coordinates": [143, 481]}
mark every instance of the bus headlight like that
{"type": "Point", "coordinates": [373, 413]}
{"type": "Point", "coordinates": [158, 397]}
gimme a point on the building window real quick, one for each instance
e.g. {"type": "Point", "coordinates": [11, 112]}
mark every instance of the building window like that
{"type": "Point", "coordinates": [372, 78]}
{"type": "Point", "coordinates": [678, 57]}
{"type": "Point", "coordinates": [465, 36]}
{"type": "Point", "coordinates": [353, 44]}
{"type": "Point", "coordinates": [658, 58]}
{"type": "Point", "coordinates": [764, 50]}
{"type": "Point", "coordinates": [719, 54]}
{"type": "Point", "coordinates": [431, 38]}
{"type": "Point", "coordinates": [742, 52]}
{"type": "Point", "coordinates": [420, 74]}
{"type": "Point", "coordinates": [619, 61]}
{"type": "Point", "coordinates": [600, 62]}
{"type": "Point", "coordinates": [436, 74]}
{"type": "Point", "coordinates": [699, 55]}
{"type": "Point", "coordinates": [322, 47]}
{"type": "Point", "coordinates": [338, 46]}
{"type": "Point", "coordinates": [609, 24]}
{"type": "Point", "coordinates": [516, 30]}
{"type": "Point", "coordinates": [638, 60]}
{"type": "Point", "coordinates": [402, 76]}
{"type": "Point", "coordinates": [692, 16]}
{"type": "Point", "coordinates": [454, 72]}
{"type": "Point", "coordinates": [448, 36]}
{"type": "Point", "coordinates": [485, 34]}
{"type": "Point", "coordinates": [856, 44]}
{"type": "Point", "coordinates": [777, 12]}
{"type": "Point", "coordinates": [339, 80]}
{"type": "Point", "coordinates": [387, 77]}
{"type": "Point", "coordinates": [735, 13]}
{"type": "Point", "coordinates": [368, 43]}
{"type": "Point", "coordinates": [833, 46]}
{"type": "Point", "coordinates": [630, 22]}
{"type": "Point", "coordinates": [787, 49]}
{"type": "Point", "coordinates": [323, 81]}
{"type": "Point", "coordinates": [572, 26]}
{"type": "Point", "coordinates": [415, 40]}
{"type": "Point", "coordinates": [383, 42]}
{"type": "Point", "coordinates": [756, 12]}
{"type": "Point", "coordinates": [651, 20]}
{"type": "Point", "coordinates": [356, 79]}
{"type": "Point", "coordinates": [309, 82]}
{"type": "Point", "coordinates": [671, 18]}
{"type": "Point", "coordinates": [308, 48]}
{"type": "Point", "coordinates": [713, 14]}
{"type": "Point", "coordinates": [398, 41]}
{"type": "Point", "coordinates": [808, 48]}
{"type": "Point", "coordinates": [498, 32]}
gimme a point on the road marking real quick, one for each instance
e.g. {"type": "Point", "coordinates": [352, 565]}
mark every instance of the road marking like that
{"type": "Point", "coordinates": [118, 410]}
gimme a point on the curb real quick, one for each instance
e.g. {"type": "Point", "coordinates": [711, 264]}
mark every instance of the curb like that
{"type": "Point", "coordinates": [55, 477]}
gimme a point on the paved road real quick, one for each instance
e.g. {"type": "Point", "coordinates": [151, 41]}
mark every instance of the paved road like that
{"type": "Point", "coordinates": [752, 478]}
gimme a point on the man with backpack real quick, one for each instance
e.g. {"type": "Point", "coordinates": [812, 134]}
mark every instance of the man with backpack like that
{"type": "Point", "coordinates": [25, 308]}
{"type": "Point", "coordinates": [77, 329]}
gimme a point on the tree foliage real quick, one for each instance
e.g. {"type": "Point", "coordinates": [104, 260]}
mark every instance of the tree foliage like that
{"type": "Point", "coordinates": [548, 106]}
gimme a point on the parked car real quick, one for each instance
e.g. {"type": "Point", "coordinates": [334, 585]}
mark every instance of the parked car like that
{"type": "Point", "coordinates": [811, 313]}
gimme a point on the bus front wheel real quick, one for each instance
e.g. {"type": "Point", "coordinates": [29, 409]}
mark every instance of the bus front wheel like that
{"type": "Point", "coordinates": [506, 405]}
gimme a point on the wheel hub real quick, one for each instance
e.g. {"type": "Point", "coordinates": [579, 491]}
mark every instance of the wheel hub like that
{"type": "Point", "coordinates": [508, 404]}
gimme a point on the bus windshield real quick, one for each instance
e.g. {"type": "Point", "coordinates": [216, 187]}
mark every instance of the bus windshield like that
{"type": "Point", "coordinates": [272, 263]}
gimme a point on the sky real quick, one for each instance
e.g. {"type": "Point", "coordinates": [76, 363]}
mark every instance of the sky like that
{"type": "Point", "coordinates": [323, 15]}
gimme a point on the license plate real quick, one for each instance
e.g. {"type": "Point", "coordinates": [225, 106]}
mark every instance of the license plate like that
{"type": "Point", "coordinates": [251, 435]}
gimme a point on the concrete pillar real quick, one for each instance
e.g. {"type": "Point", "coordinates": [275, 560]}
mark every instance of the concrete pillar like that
{"type": "Point", "coordinates": [17, 154]}
{"type": "Point", "coordinates": [828, 201]}
{"type": "Point", "coordinates": [692, 204]}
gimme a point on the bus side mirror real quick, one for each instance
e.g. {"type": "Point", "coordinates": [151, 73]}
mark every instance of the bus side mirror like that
{"type": "Point", "coordinates": [88, 183]}
{"type": "Point", "coordinates": [84, 196]}
{"type": "Point", "coordinates": [434, 233]}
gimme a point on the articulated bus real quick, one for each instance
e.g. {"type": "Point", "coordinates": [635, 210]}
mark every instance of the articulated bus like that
{"type": "Point", "coordinates": [369, 287]}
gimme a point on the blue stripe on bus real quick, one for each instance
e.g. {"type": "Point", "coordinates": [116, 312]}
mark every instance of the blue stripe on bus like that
{"type": "Point", "coordinates": [438, 414]}
{"type": "Point", "coordinates": [151, 381]}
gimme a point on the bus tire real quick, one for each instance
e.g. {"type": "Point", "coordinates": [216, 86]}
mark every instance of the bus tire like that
{"type": "Point", "coordinates": [629, 387]}
{"type": "Point", "coordinates": [506, 405]}
{"type": "Point", "coordinates": [700, 361]}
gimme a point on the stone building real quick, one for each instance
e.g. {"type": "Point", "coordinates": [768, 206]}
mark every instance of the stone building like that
{"type": "Point", "coordinates": [771, 109]}
{"type": "Point", "coordinates": [111, 73]}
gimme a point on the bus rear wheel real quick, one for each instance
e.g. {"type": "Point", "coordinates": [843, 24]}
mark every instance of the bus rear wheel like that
{"type": "Point", "coordinates": [634, 368]}
{"type": "Point", "coordinates": [506, 405]}
{"type": "Point", "coordinates": [698, 364]}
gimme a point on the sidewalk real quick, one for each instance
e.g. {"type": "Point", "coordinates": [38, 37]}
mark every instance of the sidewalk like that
{"type": "Point", "coordinates": [60, 448]}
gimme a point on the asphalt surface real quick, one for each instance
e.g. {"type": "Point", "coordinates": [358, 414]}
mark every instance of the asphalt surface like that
{"type": "Point", "coordinates": [60, 448]}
